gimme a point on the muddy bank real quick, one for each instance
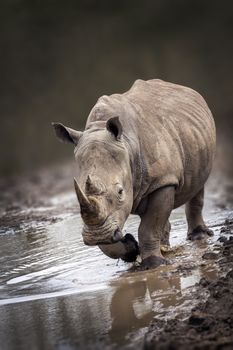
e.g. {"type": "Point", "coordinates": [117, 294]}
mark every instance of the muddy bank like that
{"type": "Point", "coordinates": [37, 198]}
{"type": "Point", "coordinates": [210, 324]}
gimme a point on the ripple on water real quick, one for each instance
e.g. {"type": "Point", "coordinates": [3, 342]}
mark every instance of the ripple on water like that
{"type": "Point", "coordinates": [56, 257]}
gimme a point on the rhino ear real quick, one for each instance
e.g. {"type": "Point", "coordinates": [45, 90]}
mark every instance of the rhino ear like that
{"type": "Point", "coordinates": [114, 126]}
{"type": "Point", "coordinates": [66, 134]}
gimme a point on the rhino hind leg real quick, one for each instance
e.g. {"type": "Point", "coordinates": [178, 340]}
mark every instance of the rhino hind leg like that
{"type": "Point", "coordinates": [154, 222]}
{"type": "Point", "coordinates": [196, 227]}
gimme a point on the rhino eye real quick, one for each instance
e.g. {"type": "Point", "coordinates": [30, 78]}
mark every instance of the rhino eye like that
{"type": "Point", "coordinates": [120, 191]}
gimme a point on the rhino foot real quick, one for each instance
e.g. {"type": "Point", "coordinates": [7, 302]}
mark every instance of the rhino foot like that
{"type": "Point", "coordinates": [131, 247]}
{"type": "Point", "coordinates": [200, 232]}
{"type": "Point", "coordinates": [152, 262]}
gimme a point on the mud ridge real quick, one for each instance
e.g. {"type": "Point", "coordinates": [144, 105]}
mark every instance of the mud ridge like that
{"type": "Point", "coordinates": [210, 324]}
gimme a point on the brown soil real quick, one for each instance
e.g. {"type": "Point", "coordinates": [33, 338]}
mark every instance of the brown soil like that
{"type": "Point", "coordinates": [210, 325]}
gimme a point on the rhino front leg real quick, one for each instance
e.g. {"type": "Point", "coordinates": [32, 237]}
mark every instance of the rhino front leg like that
{"type": "Point", "coordinates": [196, 226]}
{"type": "Point", "coordinates": [166, 235]}
{"type": "Point", "coordinates": [153, 224]}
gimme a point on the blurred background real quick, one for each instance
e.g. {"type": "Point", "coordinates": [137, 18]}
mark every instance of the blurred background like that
{"type": "Point", "coordinates": [57, 58]}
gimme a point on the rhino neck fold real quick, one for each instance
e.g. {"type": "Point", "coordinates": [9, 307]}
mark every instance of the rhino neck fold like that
{"type": "Point", "coordinates": [137, 170]}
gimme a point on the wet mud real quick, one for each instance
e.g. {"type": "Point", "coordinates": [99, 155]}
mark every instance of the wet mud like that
{"type": "Point", "coordinates": [56, 293]}
{"type": "Point", "coordinates": [210, 323]}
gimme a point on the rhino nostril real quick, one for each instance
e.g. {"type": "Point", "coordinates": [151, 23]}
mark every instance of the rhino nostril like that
{"type": "Point", "coordinates": [117, 236]}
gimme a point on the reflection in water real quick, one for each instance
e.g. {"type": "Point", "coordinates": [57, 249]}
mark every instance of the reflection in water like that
{"type": "Point", "coordinates": [108, 316]}
{"type": "Point", "coordinates": [137, 300]}
{"type": "Point", "coordinates": [123, 314]}
{"type": "Point", "coordinates": [134, 304]}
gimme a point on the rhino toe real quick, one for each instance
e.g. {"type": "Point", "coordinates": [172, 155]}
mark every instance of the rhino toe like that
{"type": "Point", "coordinates": [200, 232]}
{"type": "Point", "coordinates": [153, 262]}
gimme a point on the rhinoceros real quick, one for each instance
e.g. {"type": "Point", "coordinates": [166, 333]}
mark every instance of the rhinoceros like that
{"type": "Point", "coordinates": [145, 152]}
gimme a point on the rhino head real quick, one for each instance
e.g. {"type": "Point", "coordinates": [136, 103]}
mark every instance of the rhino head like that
{"type": "Point", "coordinates": [103, 182]}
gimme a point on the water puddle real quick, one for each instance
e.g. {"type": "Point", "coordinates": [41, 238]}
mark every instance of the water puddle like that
{"type": "Point", "coordinates": [57, 293]}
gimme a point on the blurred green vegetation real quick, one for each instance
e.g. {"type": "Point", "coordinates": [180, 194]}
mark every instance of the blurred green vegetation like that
{"type": "Point", "coordinates": [58, 57]}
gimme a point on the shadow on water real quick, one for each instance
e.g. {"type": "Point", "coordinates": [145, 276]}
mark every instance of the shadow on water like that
{"type": "Point", "coordinates": [57, 293]}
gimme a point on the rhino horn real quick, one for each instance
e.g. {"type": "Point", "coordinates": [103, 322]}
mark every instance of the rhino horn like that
{"type": "Point", "coordinates": [91, 187]}
{"type": "Point", "coordinates": [82, 198]}
{"type": "Point", "coordinates": [90, 207]}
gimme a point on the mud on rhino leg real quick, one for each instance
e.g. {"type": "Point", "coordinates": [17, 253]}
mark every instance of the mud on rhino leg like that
{"type": "Point", "coordinates": [166, 235]}
{"type": "Point", "coordinates": [153, 222]}
{"type": "Point", "coordinates": [196, 227]}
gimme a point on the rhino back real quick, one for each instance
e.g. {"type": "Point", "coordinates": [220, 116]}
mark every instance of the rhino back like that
{"type": "Point", "coordinates": [171, 133]}
{"type": "Point", "coordinates": [177, 136]}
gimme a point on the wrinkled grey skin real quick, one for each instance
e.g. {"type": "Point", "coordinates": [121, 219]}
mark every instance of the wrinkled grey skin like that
{"type": "Point", "coordinates": [146, 152]}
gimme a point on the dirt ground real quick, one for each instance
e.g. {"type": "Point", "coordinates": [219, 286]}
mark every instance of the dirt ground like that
{"type": "Point", "coordinates": [27, 198]}
{"type": "Point", "coordinates": [210, 324]}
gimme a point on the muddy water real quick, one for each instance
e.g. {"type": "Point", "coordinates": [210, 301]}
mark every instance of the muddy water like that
{"type": "Point", "coordinates": [56, 293]}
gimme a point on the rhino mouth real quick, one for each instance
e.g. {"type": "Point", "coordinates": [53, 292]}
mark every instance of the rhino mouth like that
{"type": "Point", "coordinates": [117, 236]}
{"type": "Point", "coordinates": [101, 235]}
